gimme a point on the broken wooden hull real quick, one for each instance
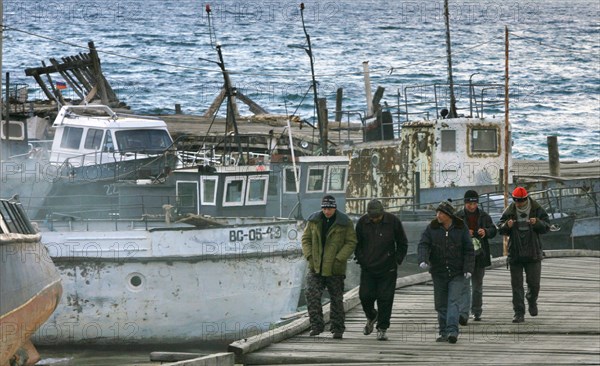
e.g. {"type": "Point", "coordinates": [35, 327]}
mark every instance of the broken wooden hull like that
{"type": "Point", "coordinates": [30, 289]}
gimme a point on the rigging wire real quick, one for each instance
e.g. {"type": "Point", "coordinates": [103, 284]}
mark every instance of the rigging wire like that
{"type": "Point", "coordinates": [539, 42]}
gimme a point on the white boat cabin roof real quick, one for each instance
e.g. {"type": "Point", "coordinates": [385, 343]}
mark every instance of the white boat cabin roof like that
{"type": "Point", "coordinates": [103, 118]}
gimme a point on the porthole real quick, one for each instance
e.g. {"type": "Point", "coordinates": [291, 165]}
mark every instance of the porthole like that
{"type": "Point", "coordinates": [136, 281]}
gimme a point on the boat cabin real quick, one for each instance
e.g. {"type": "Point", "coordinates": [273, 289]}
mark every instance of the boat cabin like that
{"type": "Point", "coordinates": [431, 160]}
{"type": "Point", "coordinates": [94, 135]}
{"type": "Point", "coordinates": [237, 191]}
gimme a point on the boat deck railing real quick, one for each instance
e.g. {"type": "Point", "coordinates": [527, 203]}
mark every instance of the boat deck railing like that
{"type": "Point", "coordinates": [571, 201]}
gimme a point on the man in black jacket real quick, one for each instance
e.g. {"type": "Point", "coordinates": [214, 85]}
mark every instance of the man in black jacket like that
{"type": "Point", "coordinates": [446, 248]}
{"type": "Point", "coordinates": [523, 222]}
{"type": "Point", "coordinates": [381, 247]}
{"type": "Point", "coordinates": [481, 228]}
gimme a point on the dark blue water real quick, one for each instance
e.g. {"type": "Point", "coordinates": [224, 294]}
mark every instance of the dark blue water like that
{"type": "Point", "coordinates": [150, 53]}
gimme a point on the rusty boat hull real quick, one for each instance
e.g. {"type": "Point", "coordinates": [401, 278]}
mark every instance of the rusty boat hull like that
{"type": "Point", "coordinates": [30, 290]}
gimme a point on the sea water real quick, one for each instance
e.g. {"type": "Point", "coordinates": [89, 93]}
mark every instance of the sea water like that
{"type": "Point", "coordinates": [156, 53]}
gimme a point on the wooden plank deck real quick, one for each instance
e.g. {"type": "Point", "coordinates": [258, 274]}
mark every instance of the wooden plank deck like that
{"type": "Point", "coordinates": [567, 329]}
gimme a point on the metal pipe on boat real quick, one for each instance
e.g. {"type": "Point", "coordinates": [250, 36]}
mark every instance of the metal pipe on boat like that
{"type": "Point", "coordinates": [367, 78]}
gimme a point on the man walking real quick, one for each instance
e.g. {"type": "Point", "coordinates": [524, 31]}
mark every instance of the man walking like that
{"type": "Point", "coordinates": [446, 249]}
{"type": "Point", "coordinates": [523, 222]}
{"type": "Point", "coordinates": [381, 247]}
{"type": "Point", "coordinates": [481, 228]}
{"type": "Point", "coordinates": [328, 241]}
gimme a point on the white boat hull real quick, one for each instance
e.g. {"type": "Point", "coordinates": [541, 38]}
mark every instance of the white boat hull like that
{"type": "Point", "coordinates": [172, 286]}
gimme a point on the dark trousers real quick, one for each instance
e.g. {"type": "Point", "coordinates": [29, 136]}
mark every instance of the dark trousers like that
{"type": "Point", "coordinates": [533, 273]}
{"type": "Point", "coordinates": [380, 288]}
{"type": "Point", "coordinates": [447, 298]}
{"type": "Point", "coordinates": [477, 290]}
{"type": "Point", "coordinates": [315, 285]}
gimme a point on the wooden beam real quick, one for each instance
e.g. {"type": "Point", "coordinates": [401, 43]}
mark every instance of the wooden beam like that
{"type": "Point", "coordinates": [254, 108]}
{"type": "Point", "coordinates": [57, 92]}
{"type": "Point", "coordinates": [68, 79]}
{"type": "Point", "coordinates": [216, 104]}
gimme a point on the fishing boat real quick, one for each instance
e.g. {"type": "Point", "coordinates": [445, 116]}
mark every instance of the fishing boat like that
{"type": "Point", "coordinates": [30, 286]}
{"type": "Point", "coordinates": [133, 245]}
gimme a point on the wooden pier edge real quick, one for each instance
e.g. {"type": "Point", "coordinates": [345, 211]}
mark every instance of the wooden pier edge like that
{"type": "Point", "coordinates": [351, 299]}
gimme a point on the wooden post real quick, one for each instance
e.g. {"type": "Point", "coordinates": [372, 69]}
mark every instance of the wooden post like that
{"type": "Point", "coordinates": [553, 156]}
{"type": "Point", "coordinates": [338, 104]}
{"type": "Point", "coordinates": [98, 73]}
{"type": "Point", "coordinates": [177, 108]}
{"type": "Point", "coordinates": [322, 107]}
{"type": "Point", "coordinates": [506, 131]}
{"type": "Point", "coordinates": [7, 104]}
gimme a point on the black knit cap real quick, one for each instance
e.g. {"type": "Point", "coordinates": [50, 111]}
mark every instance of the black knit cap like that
{"type": "Point", "coordinates": [446, 207]}
{"type": "Point", "coordinates": [471, 196]}
{"type": "Point", "coordinates": [328, 201]}
{"type": "Point", "coordinates": [375, 208]}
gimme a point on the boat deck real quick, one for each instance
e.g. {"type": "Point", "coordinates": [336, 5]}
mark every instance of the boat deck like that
{"type": "Point", "coordinates": [567, 329]}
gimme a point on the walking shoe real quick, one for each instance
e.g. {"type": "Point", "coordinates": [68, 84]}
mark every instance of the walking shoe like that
{"type": "Point", "coordinates": [314, 332]}
{"type": "Point", "coordinates": [442, 339]}
{"type": "Point", "coordinates": [338, 335]}
{"type": "Point", "coordinates": [452, 339]}
{"type": "Point", "coordinates": [463, 320]}
{"type": "Point", "coordinates": [381, 336]}
{"type": "Point", "coordinates": [533, 310]}
{"type": "Point", "coordinates": [477, 318]}
{"type": "Point", "coordinates": [518, 319]}
{"type": "Point", "coordinates": [369, 325]}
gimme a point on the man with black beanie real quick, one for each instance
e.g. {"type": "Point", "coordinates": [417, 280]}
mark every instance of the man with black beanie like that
{"type": "Point", "coordinates": [328, 241]}
{"type": "Point", "coordinates": [481, 228]}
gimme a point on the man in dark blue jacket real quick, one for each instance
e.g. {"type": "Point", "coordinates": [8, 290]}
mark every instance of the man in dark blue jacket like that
{"type": "Point", "coordinates": [381, 247]}
{"type": "Point", "coordinates": [446, 248]}
{"type": "Point", "coordinates": [524, 221]}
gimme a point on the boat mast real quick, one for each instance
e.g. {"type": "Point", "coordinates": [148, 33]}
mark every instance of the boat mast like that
{"type": "Point", "coordinates": [228, 93]}
{"type": "Point", "coordinates": [314, 84]}
{"type": "Point", "coordinates": [452, 113]}
{"type": "Point", "coordinates": [507, 136]}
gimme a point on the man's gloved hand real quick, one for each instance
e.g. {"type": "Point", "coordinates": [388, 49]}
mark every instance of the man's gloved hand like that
{"type": "Point", "coordinates": [467, 275]}
{"type": "Point", "coordinates": [424, 265]}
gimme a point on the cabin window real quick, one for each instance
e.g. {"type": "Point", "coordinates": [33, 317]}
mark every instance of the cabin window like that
{"type": "Point", "coordinates": [337, 179]}
{"type": "Point", "coordinates": [290, 180]}
{"type": "Point", "coordinates": [93, 139]}
{"type": "Point", "coordinates": [257, 190]}
{"type": "Point", "coordinates": [315, 180]}
{"type": "Point", "coordinates": [187, 197]}
{"type": "Point", "coordinates": [15, 130]}
{"type": "Point", "coordinates": [208, 191]}
{"type": "Point", "coordinates": [234, 191]}
{"type": "Point", "coordinates": [108, 143]}
{"type": "Point", "coordinates": [71, 138]}
{"type": "Point", "coordinates": [145, 141]}
{"type": "Point", "coordinates": [484, 140]}
{"type": "Point", "coordinates": [448, 140]}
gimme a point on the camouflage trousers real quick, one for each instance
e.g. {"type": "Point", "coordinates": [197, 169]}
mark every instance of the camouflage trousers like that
{"type": "Point", "coordinates": [315, 284]}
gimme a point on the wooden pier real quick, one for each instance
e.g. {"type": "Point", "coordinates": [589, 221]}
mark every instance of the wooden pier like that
{"type": "Point", "coordinates": [567, 329]}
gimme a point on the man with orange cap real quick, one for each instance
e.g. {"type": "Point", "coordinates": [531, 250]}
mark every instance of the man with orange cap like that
{"type": "Point", "coordinates": [523, 221]}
